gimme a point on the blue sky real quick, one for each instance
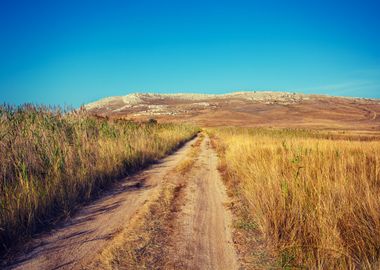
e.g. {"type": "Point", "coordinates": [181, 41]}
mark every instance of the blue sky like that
{"type": "Point", "coordinates": [73, 52]}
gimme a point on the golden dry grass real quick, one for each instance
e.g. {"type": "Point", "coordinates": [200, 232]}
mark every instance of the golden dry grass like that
{"type": "Point", "coordinates": [50, 162]}
{"type": "Point", "coordinates": [314, 198]}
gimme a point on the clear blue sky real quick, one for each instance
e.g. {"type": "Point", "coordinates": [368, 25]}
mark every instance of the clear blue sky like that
{"type": "Point", "coordinates": [74, 52]}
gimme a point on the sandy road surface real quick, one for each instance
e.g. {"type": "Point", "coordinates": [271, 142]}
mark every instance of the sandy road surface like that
{"type": "Point", "coordinates": [78, 241]}
{"type": "Point", "coordinates": [202, 238]}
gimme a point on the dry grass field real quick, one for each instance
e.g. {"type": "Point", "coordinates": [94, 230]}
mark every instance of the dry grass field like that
{"type": "Point", "coordinates": [302, 173]}
{"type": "Point", "coordinates": [313, 196]}
{"type": "Point", "coordinates": [51, 161]}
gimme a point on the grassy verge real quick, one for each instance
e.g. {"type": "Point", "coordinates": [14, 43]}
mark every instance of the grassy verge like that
{"type": "Point", "coordinates": [314, 199]}
{"type": "Point", "coordinates": [50, 162]}
{"type": "Point", "coordinates": [143, 243]}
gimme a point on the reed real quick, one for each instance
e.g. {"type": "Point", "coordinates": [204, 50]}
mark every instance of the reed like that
{"type": "Point", "coordinates": [52, 161]}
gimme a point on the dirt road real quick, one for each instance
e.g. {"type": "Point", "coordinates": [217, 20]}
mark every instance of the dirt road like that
{"type": "Point", "coordinates": [201, 240]}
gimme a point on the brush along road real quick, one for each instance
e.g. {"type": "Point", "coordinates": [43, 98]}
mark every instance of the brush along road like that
{"type": "Point", "coordinates": [202, 239]}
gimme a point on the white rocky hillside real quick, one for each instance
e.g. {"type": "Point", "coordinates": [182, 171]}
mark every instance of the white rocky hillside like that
{"type": "Point", "coordinates": [145, 104]}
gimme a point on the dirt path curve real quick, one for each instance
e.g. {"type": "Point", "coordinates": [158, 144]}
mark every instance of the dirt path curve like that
{"type": "Point", "coordinates": [202, 238]}
{"type": "Point", "coordinates": [78, 241]}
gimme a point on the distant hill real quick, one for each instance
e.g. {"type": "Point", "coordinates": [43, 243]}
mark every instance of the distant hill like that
{"type": "Point", "coordinates": [258, 108]}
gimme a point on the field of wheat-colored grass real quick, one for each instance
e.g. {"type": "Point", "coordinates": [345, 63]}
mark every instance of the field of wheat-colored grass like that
{"type": "Point", "coordinates": [315, 197]}
{"type": "Point", "coordinates": [51, 161]}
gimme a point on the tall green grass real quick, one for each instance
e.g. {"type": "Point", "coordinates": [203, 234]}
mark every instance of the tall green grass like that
{"type": "Point", "coordinates": [51, 161]}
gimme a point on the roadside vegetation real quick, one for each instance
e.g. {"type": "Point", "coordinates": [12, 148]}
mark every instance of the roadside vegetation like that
{"type": "Point", "coordinates": [314, 197]}
{"type": "Point", "coordinates": [52, 161]}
